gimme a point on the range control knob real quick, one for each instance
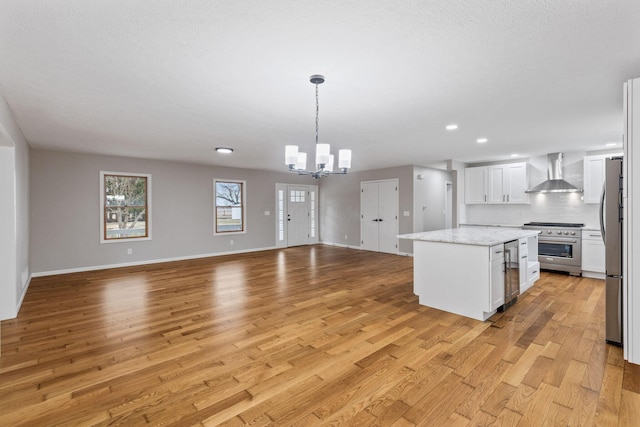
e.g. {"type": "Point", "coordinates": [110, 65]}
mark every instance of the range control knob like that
{"type": "Point", "coordinates": [566, 233]}
{"type": "Point", "coordinates": [548, 231]}
{"type": "Point", "coordinates": [559, 232]}
{"type": "Point", "coordinates": [573, 233]}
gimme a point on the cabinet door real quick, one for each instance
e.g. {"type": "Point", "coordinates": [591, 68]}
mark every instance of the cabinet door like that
{"type": "Point", "coordinates": [497, 283]}
{"type": "Point", "coordinates": [593, 252]}
{"type": "Point", "coordinates": [497, 180]}
{"type": "Point", "coordinates": [523, 267]}
{"type": "Point", "coordinates": [593, 178]}
{"type": "Point", "coordinates": [517, 183]}
{"type": "Point", "coordinates": [475, 185]}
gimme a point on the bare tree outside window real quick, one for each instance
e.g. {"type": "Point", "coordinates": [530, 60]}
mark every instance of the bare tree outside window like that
{"type": "Point", "coordinates": [126, 211]}
{"type": "Point", "coordinates": [229, 200]}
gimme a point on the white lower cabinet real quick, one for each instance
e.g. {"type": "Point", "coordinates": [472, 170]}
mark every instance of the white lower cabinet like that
{"type": "Point", "coordinates": [530, 269]}
{"type": "Point", "coordinates": [496, 298]}
{"type": "Point", "coordinates": [592, 254]}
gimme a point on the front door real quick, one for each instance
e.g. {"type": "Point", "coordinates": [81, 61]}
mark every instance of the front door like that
{"type": "Point", "coordinates": [297, 215]}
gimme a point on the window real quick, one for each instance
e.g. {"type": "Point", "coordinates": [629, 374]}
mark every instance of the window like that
{"type": "Point", "coordinates": [125, 211]}
{"type": "Point", "coordinates": [229, 206]}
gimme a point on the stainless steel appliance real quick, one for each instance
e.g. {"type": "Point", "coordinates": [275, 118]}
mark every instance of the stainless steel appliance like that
{"type": "Point", "coordinates": [559, 246]}
{"type": "Point", "coordinates": [511, 274]}
{"type": "Point", "coordinates": [611, 225]}
{"type": "Point", "coordinates": [554, 182]}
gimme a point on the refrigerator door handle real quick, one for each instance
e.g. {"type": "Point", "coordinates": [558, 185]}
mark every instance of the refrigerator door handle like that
{"type": "Point", "coordinates": [602, 212]}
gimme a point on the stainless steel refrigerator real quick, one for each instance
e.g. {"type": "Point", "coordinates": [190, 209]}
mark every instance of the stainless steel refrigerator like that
{"type": "Point", "coordinates": [611, 226]}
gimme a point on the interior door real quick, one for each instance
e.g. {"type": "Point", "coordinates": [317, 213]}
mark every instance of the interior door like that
{"type": "Point", "coordinates": [388, 216]}
{"type": "Point", "coordinates": [297, 216]}
{"type": "Point", "coordinates": [448, 205]}
{"type": "Point", "coordinates": [379, 216]}
{"type": "Point", "coordinates": [369, 215]}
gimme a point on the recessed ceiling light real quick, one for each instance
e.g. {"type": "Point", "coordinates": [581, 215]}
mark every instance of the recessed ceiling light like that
{"type": "Point", "coordinates": [452, 126]}
{"type": "Point", "coordinates": [224, 150]}
{"type": "Point", "coordinates": [481, 140]}
{"type": "Point", "coordinates": [515, 155]}
{"type": "Point", "coordinates": [611, 144]}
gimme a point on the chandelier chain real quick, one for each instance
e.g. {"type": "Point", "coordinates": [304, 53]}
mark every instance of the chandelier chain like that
{"type": "Point", "coordinates": [317, 114]}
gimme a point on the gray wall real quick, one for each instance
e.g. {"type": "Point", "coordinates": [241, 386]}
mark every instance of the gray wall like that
{"type": "Point", "coordinates": [340, 205]}
{"type": "Point", "coordinates": [65, 220]}
{"type": "Point", "coordinates": [14, 232]}
{"type": "Point", "coordinates": [428, 198]}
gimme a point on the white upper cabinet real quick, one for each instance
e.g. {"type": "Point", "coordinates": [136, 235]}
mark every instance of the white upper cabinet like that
{"type": "Point", "coordinates": [593, 177]}
{"type": "Point", "coordinates": [497, 184]}
{"type": "Point", "coordinates": [518, 183]}
{"type": "Point", "coordinates": [475, 185]}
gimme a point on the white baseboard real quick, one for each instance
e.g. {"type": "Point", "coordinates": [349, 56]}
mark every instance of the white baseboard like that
{"type": "Point", "coordinates": [151, 261]}
{"type": "Point", "coordinates": [594, 275]}
{"type": "Point", "coordinates": [341, 245]}
{"type": "Point", "coordinates": [359, 248]}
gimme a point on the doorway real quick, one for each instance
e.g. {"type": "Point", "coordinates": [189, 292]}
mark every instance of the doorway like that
{"type": "Point", "coordinates": [296, 216]}
{"type": "Point", "coordinates": [448, 204]}
{"type": "Point", "coordinates": [379, 216]}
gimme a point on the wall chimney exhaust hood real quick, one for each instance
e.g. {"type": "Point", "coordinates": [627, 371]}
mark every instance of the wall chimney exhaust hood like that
{"type": "Point", "coordinates": [554, 182]}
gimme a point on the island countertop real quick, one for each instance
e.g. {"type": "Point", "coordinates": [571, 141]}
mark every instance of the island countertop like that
{"type": "Point", "coordinates": [471, 236]}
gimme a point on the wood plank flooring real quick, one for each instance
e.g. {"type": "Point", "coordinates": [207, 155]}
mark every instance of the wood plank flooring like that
{"type": "Point", "coordinates": [305, 336]}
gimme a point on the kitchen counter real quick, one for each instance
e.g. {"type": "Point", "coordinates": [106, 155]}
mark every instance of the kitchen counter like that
{"type": "Point", "coordinates": [461, 270]}
{"type": "Point", "coordinates": [472, 236]}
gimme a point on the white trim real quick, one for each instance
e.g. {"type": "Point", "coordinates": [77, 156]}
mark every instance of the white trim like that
{"type": "Point", "coordinates": [341, 245]}
{"type": "Point", "coordinates": [152, 261]}
{"type": "Point", "coordinates": [244, 207]}
{"type": "Point", "coordinates": [25, 287]}
{"type": "Point", "coordinates": [148, 214]}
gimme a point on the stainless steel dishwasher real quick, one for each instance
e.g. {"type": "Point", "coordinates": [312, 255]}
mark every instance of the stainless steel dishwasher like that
{"type": "Point", "coordinates": [511, 274]}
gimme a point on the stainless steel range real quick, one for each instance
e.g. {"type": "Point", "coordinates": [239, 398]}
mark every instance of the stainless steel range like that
{"type": "Point", "coordinates": [559, 246]}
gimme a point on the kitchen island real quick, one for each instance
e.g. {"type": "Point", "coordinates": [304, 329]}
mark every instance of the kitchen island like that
{"type": "Point", "coordinates": [461, 270]}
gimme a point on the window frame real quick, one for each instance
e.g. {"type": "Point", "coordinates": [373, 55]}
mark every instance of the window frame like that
{"type": "Point", "coordinates": [243, 207]}
{"type": "Point", "coordinates": [103, 206]}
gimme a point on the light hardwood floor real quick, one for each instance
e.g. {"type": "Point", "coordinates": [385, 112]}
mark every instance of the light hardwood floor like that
{"type": "Point", "coordinates": [305, 336]}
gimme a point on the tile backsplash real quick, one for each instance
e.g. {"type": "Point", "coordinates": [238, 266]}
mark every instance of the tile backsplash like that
{"type": "Point", "coordinates": [558, 207]}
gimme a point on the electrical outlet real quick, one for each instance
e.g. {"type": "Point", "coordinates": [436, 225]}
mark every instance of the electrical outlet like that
{"type": "Point", "coordinates": [231, 242]}
{"type": "Point", "coordinates": [129, 251]}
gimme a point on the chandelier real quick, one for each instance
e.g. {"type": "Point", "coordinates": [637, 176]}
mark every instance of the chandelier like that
{"type": "Point", "coordinates": [297, 161]}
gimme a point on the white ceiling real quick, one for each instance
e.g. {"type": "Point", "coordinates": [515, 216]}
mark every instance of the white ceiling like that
{"type": "Point", "coordinates": [174, 79]}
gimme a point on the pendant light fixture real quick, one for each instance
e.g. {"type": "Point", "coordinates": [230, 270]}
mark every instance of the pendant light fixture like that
{"type": "Point", "coordinates": [297, 161]}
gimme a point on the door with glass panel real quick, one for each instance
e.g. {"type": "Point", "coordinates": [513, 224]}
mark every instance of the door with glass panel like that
{"type": "Point", "coordinates": [296, 220]}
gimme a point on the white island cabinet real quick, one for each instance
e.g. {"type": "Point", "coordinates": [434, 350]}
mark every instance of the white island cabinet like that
{"type": "Point", "coordinates": [461, 270]}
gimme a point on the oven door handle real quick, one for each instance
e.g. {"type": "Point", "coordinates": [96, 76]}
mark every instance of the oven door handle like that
{"type": "Point", "coordinates": [551, 240]}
